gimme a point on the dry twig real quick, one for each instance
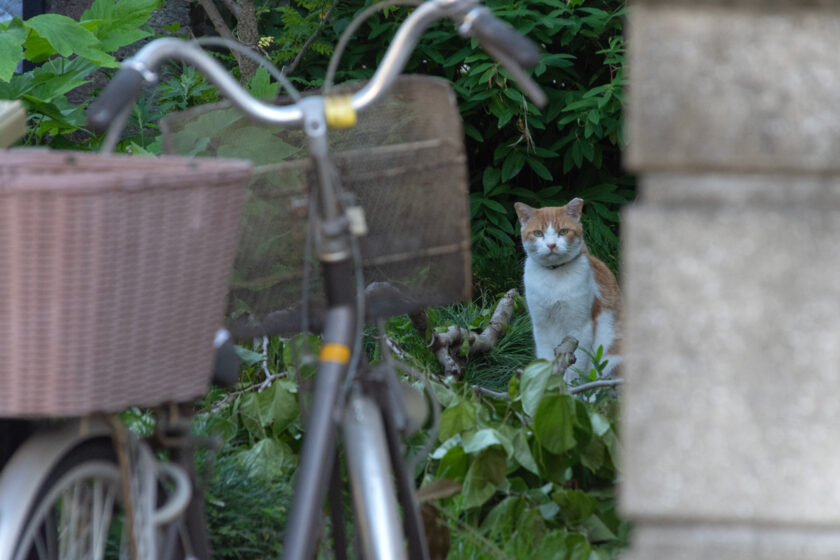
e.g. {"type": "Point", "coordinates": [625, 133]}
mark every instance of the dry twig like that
{"type": "Point", "coordinates": [599, 384]}
{"type": "Point", "coordinates": [259, 387]}
{"type": "Point", "coordinates": [293, 66]}
{"type": "Point", "coordinates": [447, 346]}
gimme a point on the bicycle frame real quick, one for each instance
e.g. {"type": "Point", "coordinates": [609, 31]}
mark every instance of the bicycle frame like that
{"type": "Point", "coordinates": [363, 426]}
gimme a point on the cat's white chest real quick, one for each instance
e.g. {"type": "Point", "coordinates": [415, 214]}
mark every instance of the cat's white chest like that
{"type": "Point", "coordinates": [560, 303]}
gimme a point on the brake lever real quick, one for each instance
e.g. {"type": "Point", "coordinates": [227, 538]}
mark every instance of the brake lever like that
{"type": "Point", "coordinates": [509, 47]}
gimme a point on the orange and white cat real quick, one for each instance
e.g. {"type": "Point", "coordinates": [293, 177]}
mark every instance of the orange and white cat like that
{"type": "Point", "coordinates": [568, 291]}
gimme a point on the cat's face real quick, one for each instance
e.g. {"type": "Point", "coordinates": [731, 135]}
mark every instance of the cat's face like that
{"type": "Point", "coordinates": [552, 235]}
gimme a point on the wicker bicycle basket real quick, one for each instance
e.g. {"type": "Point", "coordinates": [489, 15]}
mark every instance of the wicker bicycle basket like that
{"type": "Point", "coordinates": [113, 276]}
{"type": "Point", "coordinates": [403, 163]}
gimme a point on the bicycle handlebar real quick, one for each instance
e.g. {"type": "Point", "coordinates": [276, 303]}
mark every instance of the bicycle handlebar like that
{"type": "Point", "coordinates": [495, 33]}
{"type": "Point", "coordinates": [499, 39]}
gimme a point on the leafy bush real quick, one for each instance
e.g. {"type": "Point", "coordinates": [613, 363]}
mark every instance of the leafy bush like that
{"type": "Point", "coordinates": [540, 455]}
{"type": "Point", "coordinates": [71, 52]}
{"type": "Point", "coordinates": [537, 471]}
{"type": "Point", "coordinates": [516, 151]}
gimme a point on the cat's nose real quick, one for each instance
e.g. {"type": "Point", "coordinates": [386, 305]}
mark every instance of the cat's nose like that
{"type": "Point", "coordinates": [551, 246]}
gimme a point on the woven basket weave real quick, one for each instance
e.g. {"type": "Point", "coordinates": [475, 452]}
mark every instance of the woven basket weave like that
{"type": "Point", "coordinates": [113, 277]}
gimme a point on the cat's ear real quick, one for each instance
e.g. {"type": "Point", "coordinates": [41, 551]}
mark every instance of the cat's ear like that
{"type": "Point", "coordinates": [524, 212]}
{"type": "Point", "coordinates": [575, 208]}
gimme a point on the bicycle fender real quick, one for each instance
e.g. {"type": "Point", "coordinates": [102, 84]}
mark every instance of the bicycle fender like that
{"type": "Point", "coordinates": [27, 470]}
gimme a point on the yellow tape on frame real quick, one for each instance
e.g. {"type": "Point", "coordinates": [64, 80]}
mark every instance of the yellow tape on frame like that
{"type": "Point", "coordinates": [339, 111]}
{"type": "Point", "coordinates": [338, 353]}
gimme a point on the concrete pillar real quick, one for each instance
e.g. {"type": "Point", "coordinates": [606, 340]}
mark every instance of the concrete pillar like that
{"type": "Point", "coordinates": [732, 281]}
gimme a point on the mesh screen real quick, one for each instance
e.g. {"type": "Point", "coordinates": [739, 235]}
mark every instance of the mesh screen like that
{"type": "Point", "coordinates": [404, 163]}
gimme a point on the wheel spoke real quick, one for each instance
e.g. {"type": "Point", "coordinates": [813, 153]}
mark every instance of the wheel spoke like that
{"type": "Point", "coordinates": [73, 519]}
{"type": "Point", "coordinates": [104, 499]}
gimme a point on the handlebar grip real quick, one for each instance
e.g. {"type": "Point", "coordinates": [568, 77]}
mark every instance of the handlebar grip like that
{"type": "Point", "coordinates": [119, 93]}
{"type": "Point", "coordinates": [493, 32]}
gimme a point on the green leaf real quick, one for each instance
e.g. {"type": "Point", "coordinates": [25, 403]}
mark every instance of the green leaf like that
{"type": "Point", "coordinates": [539, 168]}
{"type": "Point", "coordinates": [457, 419]}
{"type": "Point", "coordinates": [493, 206]}
{"type": "Point", "coordinates": [579, 547]}
{"type": "Point", "coordinates": [613, 446]}
{"type": "Point", "coordinates": [490, 178]}
{"type": "Point", "coordinates": [522, 452]}
{"type": "Point", "coordinates": [454, 464]}
{"type": "Point", "coordinates": [513, 94]}
{"type": "Point", "coordinates": [559, 60]}
{"type": "Point", "coordinates": [592, 456]}
{"type": "Point", "coordinates": [217, 424]}
{"type": "Point", "coordinates": [458, 57]}
{"type": "Point", "coordinates": [484, 476]}
{"type": "Point", "coordinates": [553, 423]}
{"type": "Point", "coordinates": [257, 144]}
{"type": "Point", "coordinates": [11, 48]}
{"type": "Point", "coordinates": [68, 37]}
{"type": "Point", "coordinates": [120, 37]}
{"type": "Point", "coordinates": [504, 118]}
{"type": "Point", "coordinates": [249, 413]}
{"type": "Point", "coordinates": [484, 438]}
{"type": "Point", "coordinates": [473, 132]}
{"type": "Point", "coordinates": [533, 383]}
{"type": "Point", "coordinates": [268, 460]}
{"type": "Point", "coordinates": [512, 165]}
{"type": "Point", "coordinates": [261, 86]}
{"type": "Point", "coordinates": [248, 357]}
{"type": "Point", "coordinates": [54, 78]}
{"type": "Point", "coordinates": [600, 425]}
{"type": "Point", "coordinates": [575, 506]}
{"type": "Point", "coordinates": [597, 530]}
{"type": "Point", "coordinates": [284, 405]}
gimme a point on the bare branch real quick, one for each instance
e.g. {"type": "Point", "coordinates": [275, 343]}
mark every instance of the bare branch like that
{"type": "Point", "coordinates": [395, 348]}
{"type": "Point", "coordinates": [495, 394]}
{"type": "Point", "coordinates": [595, 385]}
{"type": "Point", "coordinates": [443, 344]}
{"type": "Point", "coordinates": [564, 355]}
{"type": "Point", "coordinates": [293, 66]}
{"type": "Point", "coordinates": [259, 387]}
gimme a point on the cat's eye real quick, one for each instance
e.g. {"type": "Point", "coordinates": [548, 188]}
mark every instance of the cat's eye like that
{"type": "Point", "coordinates": [563, 231]}
{"type": "Point", "coordinates": [538, 233]}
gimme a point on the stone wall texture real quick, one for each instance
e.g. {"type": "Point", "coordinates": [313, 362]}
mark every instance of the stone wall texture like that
{"type": "Point", "coordinates": [732, 281]}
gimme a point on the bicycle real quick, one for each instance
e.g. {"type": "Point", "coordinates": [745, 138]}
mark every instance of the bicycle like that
{"type": "Point", "coordinates": [373, 411]}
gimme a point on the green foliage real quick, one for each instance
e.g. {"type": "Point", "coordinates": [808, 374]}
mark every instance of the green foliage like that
{"type": "Point", "coordinates": [516, 152]}
{"type": "Point", "coordinates": [71, 51]}
{"type": "Point", "coordinates": [184, 89]}
{"type": "Point", "coordinates": [250, 490]}
{"type": "Point", "coordinates": [290, 25]}
{"type": "Point", "coordinates": [537, 470]}
{"type": "Point", "coordinates": [247, 513]}
{"type": "Point", "coordinates": [569, 148]}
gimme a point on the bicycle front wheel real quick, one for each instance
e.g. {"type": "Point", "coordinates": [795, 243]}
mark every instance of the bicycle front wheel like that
{"type": "Point", "coordinates": [78, 513]}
